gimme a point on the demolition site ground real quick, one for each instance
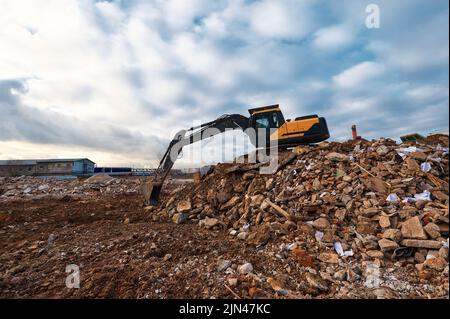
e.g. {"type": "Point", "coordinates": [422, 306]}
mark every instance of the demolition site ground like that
{"type": "Point", "coordinates": [361, 219]}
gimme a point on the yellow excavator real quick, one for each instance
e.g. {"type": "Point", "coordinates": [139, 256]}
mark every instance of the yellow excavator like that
{"type": "Point", "coordinates": [268, 119]}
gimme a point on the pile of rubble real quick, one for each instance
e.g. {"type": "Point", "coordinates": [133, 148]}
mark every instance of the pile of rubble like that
{"type": "Point", "coordinates": [28, 187]}
{"type": "Point", "coordinates": [342, 210]}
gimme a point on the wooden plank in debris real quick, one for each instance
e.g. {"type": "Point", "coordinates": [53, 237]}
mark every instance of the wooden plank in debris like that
{"type": "Point", "coordinates": [280, 210]}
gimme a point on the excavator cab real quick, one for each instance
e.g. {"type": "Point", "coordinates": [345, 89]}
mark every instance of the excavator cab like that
{"type": "Point", "coordinates": [268, 118]}
{"type": "Point", "coordinates": [303, 130]}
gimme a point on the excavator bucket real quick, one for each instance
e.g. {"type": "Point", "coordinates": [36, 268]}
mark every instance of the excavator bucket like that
{"type": "Point", "coordinates": [150, 192]}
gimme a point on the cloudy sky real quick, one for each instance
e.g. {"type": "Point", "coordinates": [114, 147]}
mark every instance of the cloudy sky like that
{"type": "Point", "coordinates": [113, 80]}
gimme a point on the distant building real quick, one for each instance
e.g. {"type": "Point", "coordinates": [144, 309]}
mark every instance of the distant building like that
{"type": "Point", "coordinates": [47, 167]}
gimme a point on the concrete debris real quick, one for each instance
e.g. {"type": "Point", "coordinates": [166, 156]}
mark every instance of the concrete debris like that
{"type": "Point", "coordinates": [359, 219]}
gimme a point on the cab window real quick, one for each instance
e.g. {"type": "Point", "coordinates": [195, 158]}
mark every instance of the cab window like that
{"type": "Point", "coordinates": [262, 122]}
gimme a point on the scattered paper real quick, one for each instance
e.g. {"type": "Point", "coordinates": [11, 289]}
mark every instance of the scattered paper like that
{"type": "Point", "coordinates": [340, 251]}
{"type": "Point", "coordinates": [392, 198]}
{"type": "Point", "coordinates": [318, 235]}
{"type": "Point", "coordinates": [338, 248]}
{"type": "Point", "coordinates": [425, 195]}
{"type": "Point", "coordinates": [405, 151]}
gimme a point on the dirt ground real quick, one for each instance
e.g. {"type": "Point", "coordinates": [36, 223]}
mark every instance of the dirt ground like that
{"type": "Point", "coordinates": [116, 259]}
{"type": "Point", "coordinates": [123, 252]}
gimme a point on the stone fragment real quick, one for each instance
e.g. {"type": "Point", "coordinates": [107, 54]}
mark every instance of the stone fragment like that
{"type": "Point", "coordinates": [412, 228]}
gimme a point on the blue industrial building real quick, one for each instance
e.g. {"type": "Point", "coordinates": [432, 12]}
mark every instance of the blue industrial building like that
{"type": "Point", "coordinates": [47, 167]}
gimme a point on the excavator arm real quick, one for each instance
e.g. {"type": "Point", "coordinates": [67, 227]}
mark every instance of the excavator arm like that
{"type": "Point", "coordinates": [152, 188]}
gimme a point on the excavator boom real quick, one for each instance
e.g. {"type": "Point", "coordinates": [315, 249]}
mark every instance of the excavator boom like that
{"type": "Point", "coordinates": [152, 188]}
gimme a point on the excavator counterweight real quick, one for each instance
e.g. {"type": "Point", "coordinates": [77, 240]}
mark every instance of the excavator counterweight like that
{"type": "Point", "coordinates": [287, 133]}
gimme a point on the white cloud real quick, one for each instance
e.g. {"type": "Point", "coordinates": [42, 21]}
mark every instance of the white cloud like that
{"type": "Point", "coordinates": [334, 37]}
{"type": "Point", "coordinates": [427, 93]}
{"type": "Point", "coordinates": [283, 19]}
{"type": "Point", "coordinates": [359, 75]}
{"type": "Point", "coordinates": [141, 69]}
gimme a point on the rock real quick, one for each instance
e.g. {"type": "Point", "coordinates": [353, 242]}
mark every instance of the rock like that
{"type": "Point", "coordinates": [375, 254]}
{"type": "Point", "coordinates": [329, 257]}
{"type": "Point", "coordinates": [347, 178]}
{"type": "Point", "coordinates": [392, 234]}
{"type": "Point", "coordinates": [340, 275]}
{"type": "Point", "coordinates": [340, 214]}
{"type": "Point", "coordinates": [245, 269]}
{"type": "Point", "coordinates": [303, 258]}
{"type": "Point", "coordinates": [420, 156]}
{"type": "Point", "coordinates": [277, 286]}
{"type": "Point", "coordinates": [233, 232]}
{"type": "Point", "coordinates": [99, 179]}
{"type": "Point", "coordinates": [437, 263]}
{"type": "Point", "coordinates": [369, 212]}
{"type": "Point", "coordinates": [269, 184]}
{"type": "Point", "coordinates": [209, 222]}
{"type": "Point", "coordinates": [419, 257]}
{"type": "Point", "coordinates": [384, 221]}
{"type": "Point", "coordinates": [382, 150]}
{"type": "Point", "coordinates": [223, 265]}
{"type": "Point", "coordinates": [412, 228]}
{"type": "Point", "coordinates": [126, 221]}
{"type": "Point", "coordinates": [43, 188]}
{"type": "Point", "coordinates": [366, 228]}
{"type": "Point", "coordinates": [184, 206]}
{"type": "Point", "coordinates": [377, 185]}
{"type": "Point", "coordinates": [242, 235]}
{"type": "Point", "coordinates": [432, 230]}
{"type": "Point", "coordinates": [232, 282]}
{"type": "Point", "coordinates": [27, 190]}
{"type": "Point", "coordinates": [222, 197]}
{"type": "Point", "coordinates": [321, 223]}
{"type": "Point", "coordinates": [340, 173]}
{"type": "Point", "coordinates": [316, 282]}
{"type": "Point", "coordinates": [387, 245]}
{"type": "Point", "coordinates": [256, 200]}
{"type": "Point", "coordinates": [337, 157]}
{"type": "Point", "coordinates": [179, 218]}
{"type": "Point", "coordinates": [443, 252]}
{"type": "Point", "coordinates": [412, 164]}
{"type": "Point", "coordinates": [430, 244]}
{"type": "Point", "coordinates": [167, 257]}
{"type": "Point", "coordinates": [440, 195]}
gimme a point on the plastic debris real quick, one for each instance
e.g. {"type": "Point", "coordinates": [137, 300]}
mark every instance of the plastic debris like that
{"type": "Point", "coordinates": [425, 167]}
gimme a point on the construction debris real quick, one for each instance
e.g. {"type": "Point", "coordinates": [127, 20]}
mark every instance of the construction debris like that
{"type": "Point", "coordinates": [360, 219]}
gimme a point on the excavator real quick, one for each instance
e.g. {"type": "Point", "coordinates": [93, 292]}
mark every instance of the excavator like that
{"type": "Point", "coordinates": [286, 133]}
